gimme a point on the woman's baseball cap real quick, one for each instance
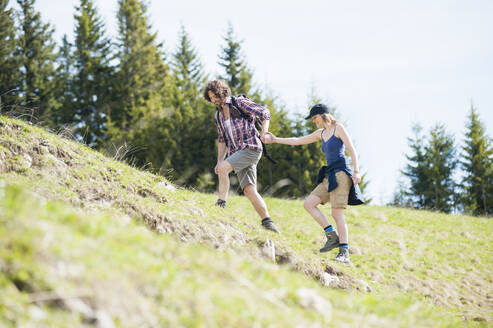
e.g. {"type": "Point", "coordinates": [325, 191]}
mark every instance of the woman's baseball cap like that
{"type": "Point", "coordinates": [318, 109]}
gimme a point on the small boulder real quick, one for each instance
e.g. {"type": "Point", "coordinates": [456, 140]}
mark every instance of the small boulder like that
{"type": "Point", "coordinates": [22, 163]}
{"type": "Point", "coordinates": [55, 161]}
{"type": "Point", "coordinates": [196, 211]}
{"type": "Point", "coordinates": [309, 299]}
{"type": "Point", "coordinates": [104, 320]}
{"type": "Point", "coordinates": [36, 313]}
{"type": "Point", "coordinates": [376, 276]}
{"type": "Point", "coordinates": [268, 250]}
{"type": "Point", "coordinates": [167, 186]}
{"type": "Point", "coordinates": [76, 305]}
{"type": "Point", "coordinates": [330, 280]}
{"type": "Point", "coordinates": [355, 250]}
{"type": "Point", "coordinates": [363, 286]}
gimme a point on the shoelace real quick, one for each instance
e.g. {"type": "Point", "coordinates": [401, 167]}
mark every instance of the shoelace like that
{"type": "Point", "coordinates": [341, 255]}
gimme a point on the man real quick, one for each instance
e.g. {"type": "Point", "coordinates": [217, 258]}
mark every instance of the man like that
{"type": "Point", "coordinates": [240, 141]}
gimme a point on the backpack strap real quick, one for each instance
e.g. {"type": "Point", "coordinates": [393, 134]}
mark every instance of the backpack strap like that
{"type": "Point", "coordinates": [234, 102]}
{"type": "Point", "coordinates": [216, 116]}
{"type": "Point", "coordinates": [256, 122]}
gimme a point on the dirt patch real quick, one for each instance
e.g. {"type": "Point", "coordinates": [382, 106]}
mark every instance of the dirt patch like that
{"type": "Point", "coordinates": [278, 254]}
{"type": "Point", "coordinates": [145, 192]}
{"type": "Point", "coordinates": [376, 276]}
{"type": "Point", "coordinates": [25, 152]}
{"type": "Point", "coordinates": [93, 194]}
{"type": "Point", "coordinates": [283, 256]}
{"type": "Point", "coordinates": [219, 234]}
{"type": "Point", "coordinates": [345, 281]}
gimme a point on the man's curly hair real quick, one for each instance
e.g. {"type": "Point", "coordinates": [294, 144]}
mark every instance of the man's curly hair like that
{"type": "Point", "coordinates": [219, 88]}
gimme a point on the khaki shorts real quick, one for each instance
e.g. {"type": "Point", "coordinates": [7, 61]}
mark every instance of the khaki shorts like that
{"type": "Point", "coordinates": [244, 162]}
{"type": "Point", "coordinates": [338, 197]}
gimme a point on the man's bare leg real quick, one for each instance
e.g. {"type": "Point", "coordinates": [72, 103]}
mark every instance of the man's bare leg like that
{"type": "Point", "coordinates": [224, 169]}
{"type": "Point", "coordinates": [257, 201]}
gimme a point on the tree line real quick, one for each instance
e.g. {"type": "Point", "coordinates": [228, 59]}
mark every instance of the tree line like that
{"type": "Point", "coordinates": [131, 99]}
{"type": "Point", "coordinates": [443, 175]}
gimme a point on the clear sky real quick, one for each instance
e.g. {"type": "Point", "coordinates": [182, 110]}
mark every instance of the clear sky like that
{"type": "Point", "coordinates": [383, 64]}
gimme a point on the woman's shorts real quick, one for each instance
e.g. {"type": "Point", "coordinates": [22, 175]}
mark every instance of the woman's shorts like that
{"type": "Point", "coordinates": [338, 197]}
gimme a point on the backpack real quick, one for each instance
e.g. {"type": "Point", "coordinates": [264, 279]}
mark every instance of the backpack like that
{"type": "Point", "coordinates": [258, 123]}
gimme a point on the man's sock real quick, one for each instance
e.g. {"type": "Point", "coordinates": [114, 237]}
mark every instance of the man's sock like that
{"type": "Point", "coordinates": [346, 246]}
{"type": "Point", "coordinates": [266, 219]}
{"type": "Point", "coordinates": [329, 228]}
{"type": "Point", "coordinates": [221, 203]}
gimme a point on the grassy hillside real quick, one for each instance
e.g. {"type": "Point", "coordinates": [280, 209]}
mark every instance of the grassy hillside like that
{"type": "Point", "coordinates": [87, 241]}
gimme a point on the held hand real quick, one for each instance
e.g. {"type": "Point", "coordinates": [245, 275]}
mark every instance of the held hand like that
{"type": "Point", "coordinates": [268, 138]}
{"type": "Point", "coordinates": [262, 136]}
{"type": "Point", "coordinates": [216, 168]}
{"type": "Point", "coordinates": [356, 178]}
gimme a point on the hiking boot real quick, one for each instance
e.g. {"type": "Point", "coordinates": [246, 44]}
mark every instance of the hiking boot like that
{"type": "Point", "coordinates": [221, 203]}
{"type": "Point", "coordinates": [343, 256]}
{"type": "Point", "coordinates": [332, 241]}
{"type": "Point", "coordinates": [269, 225]}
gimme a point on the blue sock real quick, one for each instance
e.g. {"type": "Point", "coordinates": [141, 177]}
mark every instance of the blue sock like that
{"type": "Point", "coordinates": [329, 228]}
{"type": "Point", "coordinates": [346, 246]}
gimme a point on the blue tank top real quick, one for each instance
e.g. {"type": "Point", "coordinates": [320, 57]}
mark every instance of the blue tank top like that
{"type": "Point", "coordinates": [333, 148]}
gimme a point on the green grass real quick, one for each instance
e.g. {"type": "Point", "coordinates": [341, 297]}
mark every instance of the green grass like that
{"type": "Point", "coordinates": [87, 240]}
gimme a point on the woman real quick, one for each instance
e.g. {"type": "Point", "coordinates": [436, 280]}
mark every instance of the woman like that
{"type": "Point", "coordinates": [336, 178]}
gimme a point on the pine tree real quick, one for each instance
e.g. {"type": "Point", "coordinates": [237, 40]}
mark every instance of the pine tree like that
{"type": "Point", "coordinates": [36, 55]}
{"type": "Point", "coordinates": [189, 131]}
{"type": "Point", "coordinates": [477, 164]}
{"type": "Point", "coordinates": [430, 169]}
{"type": "Point", "coordinates": [140, 82]}
{"type": "Point", "coordinates": [64, 79]}
{"type": "Point", "coordinates": [187, 68]}
{"type": "Point", "coordinates": [188, 76]}
{"type": "Point", "coordinates": [141, 103]}
{"type": "Point", "coordinates": [90, 85]}
{"type": "Point", "coordinates": [416, 170]}
{"type": "Point", "coordinates": [237, 74]}
{"type": "Point", "coordinates": [8, 64]}
{"type": "Point", "coordinates": [441, 163]}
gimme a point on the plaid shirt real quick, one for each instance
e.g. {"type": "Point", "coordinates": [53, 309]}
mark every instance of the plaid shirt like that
{"type": "Point", "coordinates": [245, 134]}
